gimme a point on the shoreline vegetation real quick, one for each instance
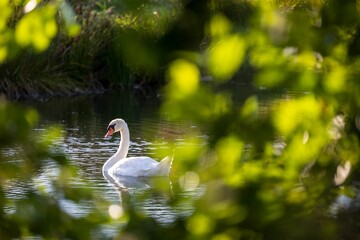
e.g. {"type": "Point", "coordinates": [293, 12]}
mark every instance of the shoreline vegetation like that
{"type": "Point", "coordinates": [94, 60]}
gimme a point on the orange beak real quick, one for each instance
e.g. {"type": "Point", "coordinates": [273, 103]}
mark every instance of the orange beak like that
{"type": "Point", "coordinates": [109, 132]}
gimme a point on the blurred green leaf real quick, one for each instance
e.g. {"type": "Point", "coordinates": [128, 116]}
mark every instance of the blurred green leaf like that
{"type": "Point", "coordinates": [37, 28]}
{"type": "Point", "coordinates": [225, 56]}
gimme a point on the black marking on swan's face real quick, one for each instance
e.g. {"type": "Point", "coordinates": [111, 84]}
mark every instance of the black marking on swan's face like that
{"type": "Point", "coordinates": [112, 126]}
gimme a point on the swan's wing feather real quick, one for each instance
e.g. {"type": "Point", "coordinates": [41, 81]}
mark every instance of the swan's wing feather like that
{"type": "Point", "coordinates": [134, 166]}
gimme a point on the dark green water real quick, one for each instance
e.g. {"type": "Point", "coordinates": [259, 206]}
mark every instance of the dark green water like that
{"type": "Point", "coordinates": [84, 120]}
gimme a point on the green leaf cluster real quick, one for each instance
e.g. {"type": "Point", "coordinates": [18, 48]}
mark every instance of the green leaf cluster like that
{"type": "Point", "coordinates": [32, 24]}
{"type": "Point", "coordinates": [36, 211]}
{"type": "Point", "coordinates": [272, 171]}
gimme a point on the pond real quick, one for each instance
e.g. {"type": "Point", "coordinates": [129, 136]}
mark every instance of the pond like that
{"type": "Point", "coordinates": [84, 120]}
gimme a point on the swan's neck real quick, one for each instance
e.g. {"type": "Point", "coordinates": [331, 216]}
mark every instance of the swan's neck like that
{"type": "Point", "coordinates": [122, 150]}
{"type": "Point", "coordinates": [124, 144]}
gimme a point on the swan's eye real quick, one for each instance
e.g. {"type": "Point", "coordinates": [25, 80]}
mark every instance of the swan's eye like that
{"type": "Point", "coordinates": [112, 127]}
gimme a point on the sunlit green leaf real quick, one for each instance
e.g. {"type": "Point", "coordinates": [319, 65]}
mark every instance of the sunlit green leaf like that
{"type": "Point", "coordinates": [185, 78]}
{"type": "Point", "coordinates": [5, 13]}
{"type": "Point", "coordinates": [219, 26]}
{"type": "Point", "coordinates": [37, 28]}
{"type": "Point", "coordinates": [335, 80]}
{"type": "Point", "coordinates": [229, 151]}
{"type": "Point", "coordinates": [3, 53]}
{"type": "Point", "coordinates": [225, 56]}
{"type": "Point", "coordinates": [250, 109]}
{"type": "Point", "coordinates": [297, 114]}
{"type": "Point", "coordinates": [200, 224]}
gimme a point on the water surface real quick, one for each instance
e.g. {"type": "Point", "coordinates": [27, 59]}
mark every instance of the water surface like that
{"type": "Point", "coordinates": [83, 122]}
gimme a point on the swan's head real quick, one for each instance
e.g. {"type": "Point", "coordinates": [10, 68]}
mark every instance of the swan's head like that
{"type": "Point", "coordinates": [115, 125]}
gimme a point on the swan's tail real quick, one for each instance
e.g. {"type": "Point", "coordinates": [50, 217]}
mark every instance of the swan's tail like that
{"type": "Point", "coordinates": [163, 168]}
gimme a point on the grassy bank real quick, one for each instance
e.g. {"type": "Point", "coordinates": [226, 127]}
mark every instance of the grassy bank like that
{"type": "Point", "coordinates": [95, 59]}
{"type": "Point", "coordinates": [122, 44]}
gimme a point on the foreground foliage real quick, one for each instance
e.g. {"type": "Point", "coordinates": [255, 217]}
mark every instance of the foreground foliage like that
{"type": "Point", "coordinates": [36, 211]}
{"type": "Point", "coordinates": [272, 172]}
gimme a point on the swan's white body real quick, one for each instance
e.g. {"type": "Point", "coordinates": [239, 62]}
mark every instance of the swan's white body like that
{"type": "Point", "coordinates": [140, 167]}
{"type": "Point", "coordinates": [120, 165]}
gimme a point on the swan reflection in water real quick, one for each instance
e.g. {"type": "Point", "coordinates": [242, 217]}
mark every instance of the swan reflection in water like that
{"type": "Point", "coordinates": [128, 182]}
{"type": "Point", "coordinates": [151, 195]}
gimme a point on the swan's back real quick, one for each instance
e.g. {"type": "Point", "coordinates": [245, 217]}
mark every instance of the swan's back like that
{"type": "Point", "coordinates": [141, 166]}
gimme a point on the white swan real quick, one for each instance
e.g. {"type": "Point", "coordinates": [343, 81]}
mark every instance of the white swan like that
{"type": "Point", "coordinates": [120, 165]}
